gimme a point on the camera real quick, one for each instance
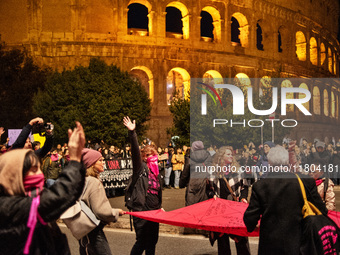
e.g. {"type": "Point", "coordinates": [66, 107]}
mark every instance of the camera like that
{"type": "Point", "coordinates": [41, 128]}
{"type": "Point", "coordinates": [49, 126]}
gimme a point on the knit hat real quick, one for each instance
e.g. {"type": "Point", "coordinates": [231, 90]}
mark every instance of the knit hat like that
{"type": "Point", "coordinates": [197, 145]}
{"type": "Point", "coordinates": [270, 144]}
{"type": "Point", "coordinates": [90, 157]}
{"type": "Point", "coordinates": [320, 144]}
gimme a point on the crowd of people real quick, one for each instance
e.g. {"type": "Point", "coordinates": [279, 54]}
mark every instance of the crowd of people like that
{"type": "Point", "coordinates": [36, 180]}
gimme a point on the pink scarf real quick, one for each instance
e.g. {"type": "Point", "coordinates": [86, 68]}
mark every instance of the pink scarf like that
{"type": "Point", "coordinates": [32, 221]}
{"type": "Point", "coordinates": [54, 157]}
{"type": "Point", "coordinates": [318, 182]}
{"type": "Point", "coordinates": [152, 163]}
{"type": "Point", "coordinates": [34, 182]}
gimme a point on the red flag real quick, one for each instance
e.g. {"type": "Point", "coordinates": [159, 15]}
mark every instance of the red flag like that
{"type": "Point", "coordinates": [218, 215]}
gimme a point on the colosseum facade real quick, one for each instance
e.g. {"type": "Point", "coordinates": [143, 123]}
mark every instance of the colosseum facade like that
{"type": "Point", "coordinates": [164, 43]}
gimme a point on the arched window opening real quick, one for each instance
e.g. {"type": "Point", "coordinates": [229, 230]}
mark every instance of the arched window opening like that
{"type": "Point", "coordinates": [316, 100]}
{"type": "Point", "coordinates": [301, 45]}
{"type": "Point", "coordinates": [145, 77]}
{"type": "Point", "coordinates": [330, 60]}
{"type": "Point", "coordinates": [210, 24]}
{"type": "Point", "coordinates": [242, 81]}
{"type": "Point", "coordinates": [333, 105]}
{"type": "Point", "coordinates": [212, 77]}
{"type": "Point", "coordinates": [178, 82]}
{"type": "Point", "coordinates": [239, 30]}
{"type": "Point", "coordinates": [322, 53]}
{"type": "Point", "coordinates": [325, 103]}
{"type": "Point", "coordinates": [259, 38]}
{"type": "Point", "coordinates": [313, 51]}
{"type": "Point", "coordinates": [302, 95]}
{"type": "Point", "coordinates": [138, 21]}
{"type": "Point", "coordinates": [174, 23]}
{"type": "Point", "coordinates": [279, 41]}
{"type": "Point", "coordinates": [334, 63]}
{"type": "Point", "coordinates": [235, 32]}
{"type": "Point", "coordinates": [207, 27]}
{"type": "Point", "coordinates": [288, 84]}
{"type": "Point", "coordinates": [177, 20]}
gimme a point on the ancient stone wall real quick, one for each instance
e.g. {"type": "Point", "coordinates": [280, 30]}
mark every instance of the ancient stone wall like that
{"type": "Point", "coordinates": [253, 38]}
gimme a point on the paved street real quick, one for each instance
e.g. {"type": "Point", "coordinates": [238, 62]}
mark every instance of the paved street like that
{"type": "Point", "coordinates": [173, 240]}
{"type": "Point", "coordinates": [121, 242]}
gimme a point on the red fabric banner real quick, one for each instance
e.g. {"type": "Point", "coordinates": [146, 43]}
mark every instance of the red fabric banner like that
{"type": "Point", "coordinates": [218, 215]}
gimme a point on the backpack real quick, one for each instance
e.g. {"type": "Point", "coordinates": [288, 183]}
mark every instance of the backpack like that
{"type": "Point", "coordinates": [134, 200]}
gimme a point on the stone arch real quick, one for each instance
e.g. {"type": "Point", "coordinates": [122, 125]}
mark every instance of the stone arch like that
{"type": "Point", "coordinates": [322, 53]}
{"type": "Point", "coordinates": [145, 76]}
{"type": "Point", "coordinates": [288, 84]}
{"type": "Point", "coordinates": [212, 77]}
{"type": "Point", "coordinates": [242, 81]}
{"type": "Point", "coordinates": [301, 44]}
{"type": "Point", "coordinates": [333, 105]}
{"type": "Point", "coordinates": [325, 103]}
{"type": "Point", "coordinates": [178, 80]}
{"type": "Point", "coordinates": [242, 26]}
{"type": "Point", "coordinates": [330, 60]}
{"type": "Point", "coordinates": [184, 20]}
{"type": "Point", "coordinates": [301, 95]}
{"type": "Point", "coordinates": [216, 22]}
{"type": "Point", "coordinates": [316, 100]}
{"type": "Point", "coordinates": [139, 18]}
{"type": "Point", "coordinates": [259, 36]}
{"type": "Point", "coordinates": [313, 51]}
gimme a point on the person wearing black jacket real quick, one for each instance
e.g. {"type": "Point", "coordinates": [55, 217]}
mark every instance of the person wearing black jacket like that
{"type": "Point", "coordinates": [277, 201]}
{"type": "Point", "coordinates": [144, 192]}
{"type": "Point", "coordinates": [22, 198]}
{"type": "Point", "coordinates": [23, 141]}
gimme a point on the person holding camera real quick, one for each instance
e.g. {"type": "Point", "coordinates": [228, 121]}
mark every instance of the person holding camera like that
{"type": "Point", "coordinates": [23, 140]}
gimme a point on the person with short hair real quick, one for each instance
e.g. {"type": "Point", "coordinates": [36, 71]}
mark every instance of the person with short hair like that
{"type": "Point", "coordinates": [277, 200]}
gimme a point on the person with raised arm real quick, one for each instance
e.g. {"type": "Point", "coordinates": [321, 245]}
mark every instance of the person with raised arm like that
{"type": "Point", "coordinates": [28, 211]}
{"type": "Point", "coordinates": [144, 192]}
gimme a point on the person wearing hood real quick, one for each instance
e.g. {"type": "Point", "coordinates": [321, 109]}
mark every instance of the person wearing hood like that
{"type": "Point", "coordinates": [197, 182]}
{"type": "Point", "coordinates": [95, 198]}
{"type": "Point", "coordinates": [262, 164]}
{"type": "Point", "coordinates": [27, 210]}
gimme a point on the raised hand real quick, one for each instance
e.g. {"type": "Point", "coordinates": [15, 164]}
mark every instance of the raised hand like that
{"type": "Point", "coordinates": [130, 125]}
{"type": "Point", "coordinates": [76, 142]}
{"type": "Point", "coordinates": [36, 120]}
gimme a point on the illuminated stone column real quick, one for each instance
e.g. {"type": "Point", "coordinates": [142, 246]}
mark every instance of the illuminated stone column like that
{"type": "Point", "coordinates": [244, 36]}
{"type": "Point", "coordinates": [151, 23]}
{"type": "Point", "coordinates": [186, 26]}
